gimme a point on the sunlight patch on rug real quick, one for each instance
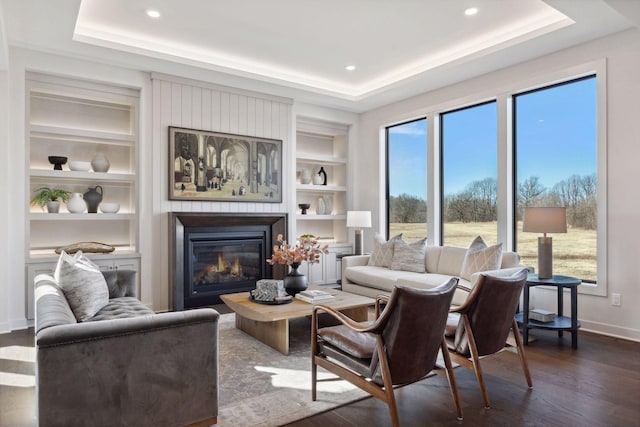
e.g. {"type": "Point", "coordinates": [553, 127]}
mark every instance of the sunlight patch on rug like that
{"type": "Point", "coordinates": [301, 380]}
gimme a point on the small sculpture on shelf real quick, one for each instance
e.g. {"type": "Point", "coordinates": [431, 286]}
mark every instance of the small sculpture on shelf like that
{"type": "Point", "coordinates": [322, 177]}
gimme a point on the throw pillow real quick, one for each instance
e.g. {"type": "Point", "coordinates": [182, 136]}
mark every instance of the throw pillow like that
{"type": "Point", "coordinates": [382, 253]}
{"type": "Point", "coordinates": [409, 256]}
{"type": "Point", "coordinates": [83, 285]}
{"type": "Point", "coordinates": [479, 257]}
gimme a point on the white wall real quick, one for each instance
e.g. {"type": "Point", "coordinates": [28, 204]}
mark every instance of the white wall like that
{"type": "Point", "coordinates": [622, 53]}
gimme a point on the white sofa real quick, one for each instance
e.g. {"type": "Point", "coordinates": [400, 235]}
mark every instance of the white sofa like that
{"type": "Point", "coordinates": [441, 263]}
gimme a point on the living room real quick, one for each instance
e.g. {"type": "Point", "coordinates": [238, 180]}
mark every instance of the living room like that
{"type": "Point", "coordinates": [169, 89]}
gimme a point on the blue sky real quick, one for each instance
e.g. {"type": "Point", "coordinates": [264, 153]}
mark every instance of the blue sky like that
{"type": "Point", "coordinates": [556, 131]}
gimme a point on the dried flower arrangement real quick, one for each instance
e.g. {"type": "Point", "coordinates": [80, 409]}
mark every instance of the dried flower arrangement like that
{"type": "Point", "coordinates": [306, 249]}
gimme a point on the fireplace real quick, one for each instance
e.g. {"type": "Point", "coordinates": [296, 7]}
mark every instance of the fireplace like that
{"type": "Point", "coordinates": [216, 254]}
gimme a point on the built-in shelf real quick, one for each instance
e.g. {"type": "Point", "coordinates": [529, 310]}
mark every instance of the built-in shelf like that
{"type": "Point", "coordinates": [313, 217]}
{"type": "Point", "coordinates": [63, 216]}
{"type": "Point", "coordinates": [78, 119]}
{"type": "Point", "coordinates": [320, 160]}
{"type": "Point", "coordinates": [82, 176]}
{"type": "Point", "coordinates": [90, 135]}
{"type": "Point", "coordinates": [320, 188]}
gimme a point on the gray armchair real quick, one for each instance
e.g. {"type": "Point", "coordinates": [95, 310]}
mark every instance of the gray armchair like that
{"type": "Point", "coordinates": [127, 366]}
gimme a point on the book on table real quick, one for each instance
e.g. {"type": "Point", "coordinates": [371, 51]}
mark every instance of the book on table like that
{"type": "Point", "coordinates": [314, 296]}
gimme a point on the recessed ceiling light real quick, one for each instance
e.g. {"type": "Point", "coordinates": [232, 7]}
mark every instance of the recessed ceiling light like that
{"type": "Point", "coordinates": [350, 67]}
{"type": "Point", "coordinates": [471, 11]}
{"type": "Point", "coordinates": [152, 13]}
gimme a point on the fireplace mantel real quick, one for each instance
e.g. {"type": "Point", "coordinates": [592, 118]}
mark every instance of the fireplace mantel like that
{"type": "Point", "coordinates": [179, 222]}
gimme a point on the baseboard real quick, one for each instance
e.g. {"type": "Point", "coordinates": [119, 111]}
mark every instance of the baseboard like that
{"type": "Point", "coordinates": [610, 330]}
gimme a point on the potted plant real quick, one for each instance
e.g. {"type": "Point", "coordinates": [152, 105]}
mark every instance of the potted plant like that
{"type": "Point", "coordinates": [49, 197]}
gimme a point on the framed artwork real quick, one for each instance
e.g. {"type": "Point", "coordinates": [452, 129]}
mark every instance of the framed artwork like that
{"type": "Point", "coordinates": [221, 167]}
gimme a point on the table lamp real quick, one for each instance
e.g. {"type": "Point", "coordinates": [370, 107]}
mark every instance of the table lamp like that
{"type": "Point", "coordinates": [545, 220]}
{"type": "Point", "coordinates": [358, 220]}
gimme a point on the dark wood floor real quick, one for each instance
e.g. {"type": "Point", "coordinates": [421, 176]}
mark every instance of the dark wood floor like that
{"type": "Point", "coordinates": [596, 385]}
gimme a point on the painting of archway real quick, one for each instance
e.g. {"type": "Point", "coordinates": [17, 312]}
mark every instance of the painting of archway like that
{"type": "Point", "coordinates": [217, 166]}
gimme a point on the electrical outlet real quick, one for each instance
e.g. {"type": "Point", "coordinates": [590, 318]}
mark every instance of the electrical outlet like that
{"type": "Point", "coordinates": [615, 300]}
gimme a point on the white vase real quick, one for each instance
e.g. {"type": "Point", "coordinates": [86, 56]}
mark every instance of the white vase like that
{"type": "Point", "coordinates": [305, 176]}
{"type": "Point", "coordinates": [76, 203]}
{"type": "Point", "coordinates": [328, 204]}
{"type": "Point", "coordinates": [320, 207]}
{"type": "Point", "coordinates": [100, 163]}
{"type": "Point", "coordinates": [318, 179]}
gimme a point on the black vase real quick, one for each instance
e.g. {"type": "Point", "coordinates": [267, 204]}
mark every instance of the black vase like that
{"type": "Point", "coordinates": [93, 198]}
{"type": "Point", "coordinates": [295, 281]}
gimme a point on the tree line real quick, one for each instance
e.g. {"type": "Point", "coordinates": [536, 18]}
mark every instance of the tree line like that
{"type": "Point", "coordinates": [478, 201]}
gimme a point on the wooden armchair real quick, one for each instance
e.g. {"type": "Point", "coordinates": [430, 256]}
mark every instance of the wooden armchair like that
{"type": "Point", "coordinates": [398, 348]}
{"type": "Point", "coordinates": [481, 326]}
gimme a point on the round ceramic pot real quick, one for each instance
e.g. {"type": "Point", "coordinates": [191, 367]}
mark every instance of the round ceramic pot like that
{"type": "Point", "coordinates": [295, 281]}
{"type": "Point", "coordinates": [76, 203]}
{"type": "Point", "coordinates": [100, 163]}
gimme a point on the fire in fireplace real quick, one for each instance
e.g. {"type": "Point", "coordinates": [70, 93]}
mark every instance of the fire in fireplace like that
{"type": "Point", "coordinates": [218, 254]}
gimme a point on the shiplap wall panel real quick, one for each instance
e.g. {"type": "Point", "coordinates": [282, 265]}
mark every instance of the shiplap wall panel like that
{"type": "Point", "coordinates": [190, 104]}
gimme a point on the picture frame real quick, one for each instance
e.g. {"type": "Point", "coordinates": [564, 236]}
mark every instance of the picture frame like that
{"type": "Point", "coordinates": [222, 167]}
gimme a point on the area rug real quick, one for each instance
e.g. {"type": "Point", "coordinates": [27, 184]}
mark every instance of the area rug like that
{"type": "Point", "coordinates": [259, 386]}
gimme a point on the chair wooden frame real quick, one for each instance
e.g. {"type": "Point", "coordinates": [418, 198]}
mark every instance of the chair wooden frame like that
{"type": "Point", "coordinates": [474, 361]}
{"type": "Point", "coordinates": [384, 393]}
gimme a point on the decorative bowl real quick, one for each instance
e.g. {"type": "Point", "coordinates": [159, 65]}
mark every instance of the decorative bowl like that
{"type": "Point", "coordinates": [304, 207]}
{"type": "Point", "coordinates": [77, 165]}
{"type": "Point", "coordinates": [57, 162]}
{"type": "Point", "coordinates": [109, 207]}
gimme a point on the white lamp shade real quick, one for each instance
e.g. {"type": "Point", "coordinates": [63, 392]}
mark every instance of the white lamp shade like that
{"type": "Point", "coordinates": [359, 219]}
{"type": "Point", "coordinates": [544, 220]}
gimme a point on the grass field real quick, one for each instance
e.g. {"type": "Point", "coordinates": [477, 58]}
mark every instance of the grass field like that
{"type": "Point", "coordinates": [574, 253]}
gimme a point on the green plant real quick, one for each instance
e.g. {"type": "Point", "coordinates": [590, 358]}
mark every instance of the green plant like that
{"type": "Point", "coordinates": [45, 195]}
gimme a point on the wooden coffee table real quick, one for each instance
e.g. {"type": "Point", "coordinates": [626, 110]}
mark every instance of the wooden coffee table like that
{"type": "Point", "coordinates": [270, 323]}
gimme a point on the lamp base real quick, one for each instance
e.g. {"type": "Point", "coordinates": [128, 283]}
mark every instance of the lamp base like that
{"type": "Point", "coordinates": [359, 242]}
{"type": "Point", "coordinates": [545, 258]}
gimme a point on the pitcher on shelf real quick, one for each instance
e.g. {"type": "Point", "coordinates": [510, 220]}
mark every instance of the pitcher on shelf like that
{"type": "Point", "coordinates": [93, 198]}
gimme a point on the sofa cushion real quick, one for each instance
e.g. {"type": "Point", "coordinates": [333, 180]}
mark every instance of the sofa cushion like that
{"type": "Point", "coordinates": [376, 277]}
{"type": "Point", "coordinates": [510, 260]}
{"type": "Point", "coordinates": [122, 308]}
{"type": "Point", "coordinates": [409, 256]}
{"type": "Point", "coordinates": [382, 253]}
{"type": "Point", "coordinates": [451, 259]}
{"type": "Point", "coordinates": [431, 258]}
{"type": "Point", "coordinates": [83, 285]}
{"type": "Point", "coordinates": [479, 257]}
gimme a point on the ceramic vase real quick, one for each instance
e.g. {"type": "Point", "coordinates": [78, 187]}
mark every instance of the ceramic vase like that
{"type": "Point", "coordinates": [305, 176]}
{"type": "Point", "coordinates": [317, 179]}
{"type": "Point", "coordinates": [76, 203]}
{"type": "Point", "coordinates": [320, 206]}
{"type": "Point", "coordinates": [295, 281]}
{"type": "Point", "coordinates": [100, 163]}
{"type": "Point", "coordinates": [328, 204]}
{"type": "Point", "coordinates": [93, 198]}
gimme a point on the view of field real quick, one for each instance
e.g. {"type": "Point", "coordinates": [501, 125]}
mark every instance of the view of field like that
{"type": "Point", "coordinates": [574, 253]}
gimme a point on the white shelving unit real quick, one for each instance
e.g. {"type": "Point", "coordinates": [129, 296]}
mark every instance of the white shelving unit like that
{"type": "Point", "coordinates": [323, 144]}
{"type": "Point", "coordinates": [77, 119]}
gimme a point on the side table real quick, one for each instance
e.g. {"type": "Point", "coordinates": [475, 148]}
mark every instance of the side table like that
{"type": "Point", "coordinates": [561, 323]}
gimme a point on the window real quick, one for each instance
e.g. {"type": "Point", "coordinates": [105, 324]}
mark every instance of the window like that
{"type": "Point", "coordinates": [469, 152]}
{"type": "Point", "coordinates": [555, 137]}
{"type": "Point", "coordinates": [407, 179]}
